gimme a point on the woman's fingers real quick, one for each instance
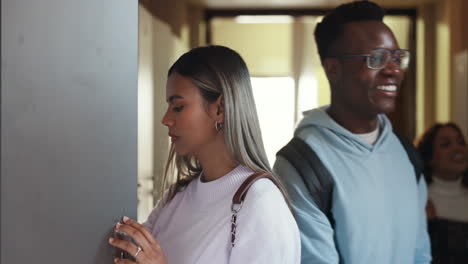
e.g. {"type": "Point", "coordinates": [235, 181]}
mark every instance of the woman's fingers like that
{"type": "Point", "coordinates": [430, 210]}
{"type": "Point", "coordinates": [123, 261]}
{"type": "Point", "coordinates": [142, 231]}
{"type": "Point", "coordinates": [125, 245]}
{"type": "Point", "coordinates": [147, 249]}
{"type": "Point", "coordinates": [136, 234]}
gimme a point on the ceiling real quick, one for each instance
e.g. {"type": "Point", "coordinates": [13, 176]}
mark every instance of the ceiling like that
{"type": "Point", "coordinates": [234, 4]}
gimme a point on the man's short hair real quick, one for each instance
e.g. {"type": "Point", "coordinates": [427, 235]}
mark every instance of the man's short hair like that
{"type": "Point", "coordinates": [332, 26]}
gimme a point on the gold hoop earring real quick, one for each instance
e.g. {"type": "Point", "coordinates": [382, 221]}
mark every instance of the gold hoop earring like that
{"type": "Point", "coordinates": [218, 126]}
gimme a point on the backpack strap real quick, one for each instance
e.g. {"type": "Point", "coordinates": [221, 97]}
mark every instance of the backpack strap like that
{"type": "Point", "coordinates": [313, 172]}
{"type": "Point", "coordinates": [413, 155]}
{"type": "Point", "coordinates": [239, 197]}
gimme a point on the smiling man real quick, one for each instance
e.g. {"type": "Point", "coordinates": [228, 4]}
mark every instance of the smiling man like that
{"type": "Point", "coordinates": [361, 201]}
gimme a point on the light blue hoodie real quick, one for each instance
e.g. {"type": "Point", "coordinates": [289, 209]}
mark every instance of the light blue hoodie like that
{"type": "Point", "coordinates": [377, 205]}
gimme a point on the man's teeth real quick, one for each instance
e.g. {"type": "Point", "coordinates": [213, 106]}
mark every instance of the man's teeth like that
{"type": "Point", "coordinates": [388, 88]}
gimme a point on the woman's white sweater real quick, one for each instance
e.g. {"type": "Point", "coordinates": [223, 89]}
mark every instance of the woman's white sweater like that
{"type": "Point", "coordinates": [195, 227]}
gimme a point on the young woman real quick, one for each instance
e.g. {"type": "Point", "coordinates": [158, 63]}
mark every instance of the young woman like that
{"type": "Point", "coordinates": [216, 146]}
{"type": "Point", "coordinates": [445, 154]}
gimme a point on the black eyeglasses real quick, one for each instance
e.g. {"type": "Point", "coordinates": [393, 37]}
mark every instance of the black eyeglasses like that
{"type": "Point", "coordinates": [379, 58]}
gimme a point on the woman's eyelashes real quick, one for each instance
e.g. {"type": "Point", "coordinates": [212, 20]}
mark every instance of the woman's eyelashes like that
{"type": "Point", "coordinates": [177, 108]}
{"type": "Point", "coordinates": [447, 143]}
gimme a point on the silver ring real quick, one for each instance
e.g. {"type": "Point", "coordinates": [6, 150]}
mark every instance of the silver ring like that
{"type": "Point", "coordinates": [138, 252]}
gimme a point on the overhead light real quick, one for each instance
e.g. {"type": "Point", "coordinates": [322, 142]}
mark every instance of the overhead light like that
{"type": "Point", "coordinates": [264, 19]}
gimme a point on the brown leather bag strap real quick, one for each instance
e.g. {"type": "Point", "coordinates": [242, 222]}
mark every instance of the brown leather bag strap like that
{"type": "Point", "coordinates": [244, 188]}
{"type": "Point", "coordinates": [239, 197]}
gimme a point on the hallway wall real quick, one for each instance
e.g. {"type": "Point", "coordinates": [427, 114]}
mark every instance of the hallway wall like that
{"type": "Point", "coordinates": [162, 39]}
{"type": "Point", "coordinates": [441, 31]}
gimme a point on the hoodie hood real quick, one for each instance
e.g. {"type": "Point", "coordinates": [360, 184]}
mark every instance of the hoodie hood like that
{"type": "Point", "coordinates": [318, 119]}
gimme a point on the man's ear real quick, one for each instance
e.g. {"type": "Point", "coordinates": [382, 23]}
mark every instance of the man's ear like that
{"type": "Point", "coordinates": [332, 67]}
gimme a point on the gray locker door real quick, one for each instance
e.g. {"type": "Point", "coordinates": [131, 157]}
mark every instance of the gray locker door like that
{"type": "Point", "coordinates": [68, 127]}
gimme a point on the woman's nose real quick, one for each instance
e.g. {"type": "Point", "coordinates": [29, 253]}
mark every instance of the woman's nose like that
{"type": "Point", "coordinates": [167, 119]}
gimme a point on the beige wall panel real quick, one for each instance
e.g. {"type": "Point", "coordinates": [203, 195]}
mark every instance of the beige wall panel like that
{"type": "Point", "coordinates": [266, 48]}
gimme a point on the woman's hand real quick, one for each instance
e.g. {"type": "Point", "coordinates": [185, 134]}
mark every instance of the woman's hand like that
{"type": "Point", "coordinates": [148, 252]}
{"type": "Point", "coordinates": [431, 212]}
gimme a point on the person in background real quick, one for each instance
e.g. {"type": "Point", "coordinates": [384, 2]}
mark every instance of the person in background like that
{"type": "Point", "coordinates": [445, 154]}
{"type": "Point", "coordinates": [376, 209]}
{"type": "Point", "coordinates": [216, 147]}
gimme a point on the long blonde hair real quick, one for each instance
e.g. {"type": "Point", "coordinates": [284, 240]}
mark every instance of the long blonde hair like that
{"type": "Point", "coordinates": [216, 71]}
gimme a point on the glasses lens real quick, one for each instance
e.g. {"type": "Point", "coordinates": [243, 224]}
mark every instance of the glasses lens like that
{"type": "Point", "coordinates": [402, 58]}
{"type": "Point", "coordinates": [378, 58]}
